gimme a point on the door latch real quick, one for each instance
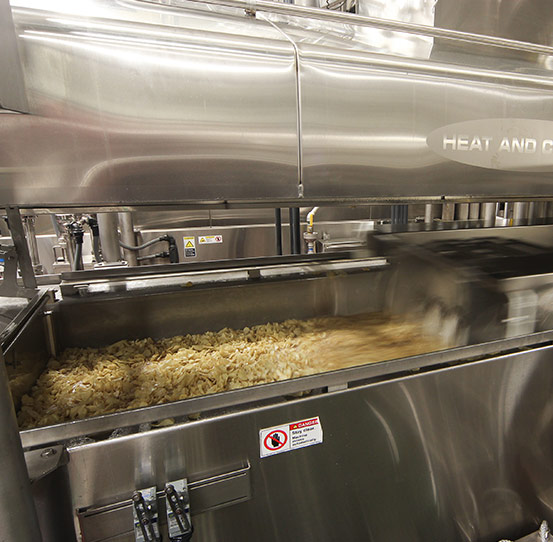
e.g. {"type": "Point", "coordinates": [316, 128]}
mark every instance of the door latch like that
{"type": "Point", "coordinates": [145, 516]}
{"type": "Point", "coordinates": [179, 523]}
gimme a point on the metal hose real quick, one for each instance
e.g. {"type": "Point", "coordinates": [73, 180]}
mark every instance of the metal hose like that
{"type": "Point", "coordinates": [144, 245]}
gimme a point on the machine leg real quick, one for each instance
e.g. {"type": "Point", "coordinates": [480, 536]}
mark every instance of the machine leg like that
{"type": "Point", "coordinates": [109, 237]}
{"type": "Point", "coordinates": [127, 236]}
{"type": "Point", "coordinates": [18, 518]}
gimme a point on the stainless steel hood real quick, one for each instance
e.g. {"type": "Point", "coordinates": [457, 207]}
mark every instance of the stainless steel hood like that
{"type": "Point", "coordinates": [136, 103]}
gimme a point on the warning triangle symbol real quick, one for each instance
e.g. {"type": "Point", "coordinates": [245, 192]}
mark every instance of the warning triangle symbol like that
{"type": "Point", "coordinates": [189, 245]}
{"type": "Point", "coordinates": [202, 240]}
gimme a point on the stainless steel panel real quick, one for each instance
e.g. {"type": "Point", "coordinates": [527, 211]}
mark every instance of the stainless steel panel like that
{"type": "Point", "coordinates": [208, 494]}
{"type": "Point", "coordinates": [525, 20]}
{"type": "Point", "coordinates": [374, 143]}
{"type": "Point", "coordinates": [12, 87]}
{"type": "Point", "coordinates": [136, 104]}
{"type": "Point", "coordinates": [446, 455]}
{"type": "Point", "coordinates": [97, 322]}
{"type": "Point", "coordinates": [18, 517]}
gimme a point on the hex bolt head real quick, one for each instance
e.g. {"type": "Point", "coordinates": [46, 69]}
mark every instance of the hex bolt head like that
{"type": "Point", "coordinates": [49, 452]}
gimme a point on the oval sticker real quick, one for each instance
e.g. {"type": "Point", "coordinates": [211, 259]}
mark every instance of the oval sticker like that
{"type": "Point", "coordinates": [507, 144]}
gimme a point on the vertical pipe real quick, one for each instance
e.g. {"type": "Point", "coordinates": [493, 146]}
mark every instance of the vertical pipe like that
{"type": "Point", "coordinates": [432, 211]}
{"type": "Point", "coordinates": [109, 238]}
{"type": "Point", "coordinates": [399, 214]}
{"type": "Point", "coordinates": [448, 212]}
{"type": "Point", "coordinates": [463, 211]}
{"type": "Point", "coordinates": [489, 211]}
{"type": "Point", "coordinates": [541, 211]}
{"type": "Point", "coordinates": [549, 210]}
{"type": "Point", "coordinates": [520, 213]}
{"type": "Point", "coordinates": [474, 211]}
{"type": "Point", "coordinates": [127, 236]}
{"type": "Point", "coordinates": [278, 231]}
{"type": "Point", "coordinates": [295, 236]}
{"type": "Point", "coordinates": [29, 225]}
{"type": "Point", "coordinates": [532, 211]}
{"type": "Point", "coordinates": [18, 517]}
{"type": "Point", "coordinates": [428, 213]}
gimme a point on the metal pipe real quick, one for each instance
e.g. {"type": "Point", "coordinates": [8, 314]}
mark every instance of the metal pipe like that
{"type": "Point", "coordinates": [109, 237]}
{"type": "Point", "coordinates": [463, 211]}
{"type": "Point", "coordinates": [489, 211]}
{"type": "Point", "coordinates": [77, 264]}
{"type": "Point", "coordinates": [448, 212]}
{"type": "Point", "coordinates": [532, 210]}
{"type": "Point", "coordinates": [362, 20]}
{"type": "Point", "coordinates": [29, 225]}
{"type": "Point", "coordinates": [520, 213]}
{"type": "Point", "coordinates": [474, 211]}
{"type": "Point", "coordinates": [127, 236]}
{"type": "Point", "coordinates": [549, 209]}
{"type": "Point", "coordinates": [18, 517]}
{"type": "Point", "coordinates": [295, 235]}
{"type": "Point", "coordinates": [399, 214]}
{"type": "Point", "coordinates": [278, 231]}
{"type": "Point", "coordinates": [432, 211]}
{"type": "Point", "coordinates": [541, 211]}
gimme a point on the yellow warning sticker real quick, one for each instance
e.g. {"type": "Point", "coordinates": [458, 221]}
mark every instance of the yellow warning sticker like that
{"type": "Point", "coordinates": [210, 239]}
{"type": "Point", "coordinates": [189, 247]}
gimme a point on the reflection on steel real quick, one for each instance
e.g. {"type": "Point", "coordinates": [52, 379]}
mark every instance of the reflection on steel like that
{"type": "Point", "coordinates": [18, 519]}
{"type": "Point", "coordinates": [128, 237]}
{"type": "Point", "coordinates": [22, 249]}
{"type": "Point", "coordinates": [109, 237]}
{"type": "Point", "coordinates": [12, 87]}
{"type": "Point", "coordinates": [452, 473]}
{"type": "Point", "coordinates": [234, 110]}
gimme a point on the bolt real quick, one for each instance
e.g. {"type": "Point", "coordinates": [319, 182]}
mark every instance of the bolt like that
{"type": "Point", "coordinates": [49, 452]}
{"type": "Point", "coordinates": [145, 521]}
{"type": "Point", "coordinates": [137, 496]}
{"type": "Point", "coordinates": [169, 489]}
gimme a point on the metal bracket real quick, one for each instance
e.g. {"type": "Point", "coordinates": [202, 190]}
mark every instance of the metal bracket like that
{"type": "Point", "coordinates": [9, 286]}
{"type": "Point", "coordinates": [20, 257]}
{"type": "Point", "coordinates": [179, 523]}
{"type": "Point", "coordinates": [145, 516]}
{"type": "Point", "coordinates": [42, 462]}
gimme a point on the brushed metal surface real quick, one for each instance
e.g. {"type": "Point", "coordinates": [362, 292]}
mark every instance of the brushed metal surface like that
{"type": "Point", "coordinates": [143, 103]}
{"type": "Point", "coordinates": [446, 455]}
{"type": "Point", "coordinates": [362, 146]}
{"type": "Point", "coordinates": [12, 87]}
{"type": "Point", "coordinates": [139, 104]}
{"type": "Point", "coordinates": [18, 516]}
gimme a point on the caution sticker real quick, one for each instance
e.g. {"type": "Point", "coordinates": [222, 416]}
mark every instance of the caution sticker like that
{"type": "Point", "coordinates": [291, 436]}
{"type": "Point", "coordinates": [189, 247]}
{"type": "Point", "coordinates": [210, 239]}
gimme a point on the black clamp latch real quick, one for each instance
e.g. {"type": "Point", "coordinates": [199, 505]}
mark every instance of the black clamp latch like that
{"type": "Point", "coordinates": [179, 524]}
{"type": "Point", "coordinates": [145, 516]}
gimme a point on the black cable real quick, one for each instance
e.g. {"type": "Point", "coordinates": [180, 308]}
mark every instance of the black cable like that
{"type": "Point", "coordinates": [172, 254]}
{"type": "Point", "coordinates": [164, 254]}
{"type": "Point", "coordinates": [278, 231]}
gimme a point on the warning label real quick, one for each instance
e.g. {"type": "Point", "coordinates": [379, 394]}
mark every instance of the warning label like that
{"type": "Point", "coordinates": [291, 436]}
{"type": "Point", "coordinates": [210, 239]}
{"type": "Point", "coordinates": [189, 247]}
